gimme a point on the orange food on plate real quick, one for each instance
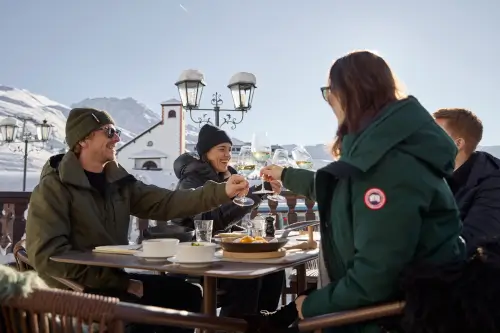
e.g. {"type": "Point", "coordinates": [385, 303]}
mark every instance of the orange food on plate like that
{"type": "Point", "coordinates": [247, 239]}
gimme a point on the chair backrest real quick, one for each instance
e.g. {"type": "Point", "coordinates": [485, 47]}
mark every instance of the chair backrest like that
{"type": "Point", "coordinates": [23, 265]}
{"type": "Point", "coordinates": [22, 257]}
{"type": "Point", "coordinates": [52, 310]}
{"type": "Point", "coordinates": [352, 317]}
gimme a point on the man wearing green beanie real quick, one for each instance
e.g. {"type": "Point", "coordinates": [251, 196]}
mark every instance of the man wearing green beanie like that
{"type": "Point", "coordinates": [85, 198]}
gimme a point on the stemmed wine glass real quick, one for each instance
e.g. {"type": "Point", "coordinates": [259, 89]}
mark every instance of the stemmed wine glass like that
{"type": "Point", "coordinates": [261, 150]}
{"type": "Point", "coordinates": [245, 166]}
{"type": "Point", "coordinates": [281, 159]}
{"type": "Point", "coordinates": [302, 158]}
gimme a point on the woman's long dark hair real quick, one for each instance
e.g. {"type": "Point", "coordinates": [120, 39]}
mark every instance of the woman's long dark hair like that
{"type": "Point", "coordinates": [363, 83]}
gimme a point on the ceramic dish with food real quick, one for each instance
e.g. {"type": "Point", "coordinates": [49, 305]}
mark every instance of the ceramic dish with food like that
{"type": "Point", "coordinates": [250, 244]}
{"type": "Point", "coordinates": [195, 252]}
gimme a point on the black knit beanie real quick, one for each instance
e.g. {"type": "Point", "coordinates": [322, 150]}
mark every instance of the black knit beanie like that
{"type": "Point", "coordinates": [83, 121]}
{"type": "Point", "coordinates": [209, 137]}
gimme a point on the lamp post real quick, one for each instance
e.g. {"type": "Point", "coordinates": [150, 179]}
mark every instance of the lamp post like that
{"type": "Point", "coordinates": [242, 86]}
{"type": "Point", "coordinates": [10, 132]}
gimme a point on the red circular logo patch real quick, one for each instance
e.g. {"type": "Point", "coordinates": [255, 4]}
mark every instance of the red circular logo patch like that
{"type": "Point", "coordinates": [375, 198]}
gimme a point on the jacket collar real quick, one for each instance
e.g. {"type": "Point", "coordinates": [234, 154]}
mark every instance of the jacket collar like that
{"type": "Point", "coordinates": [483, 166]}
{"type": "Point", "coordinates": [203, 169]}
{"type": "Point", "coordinates": [71, 172]}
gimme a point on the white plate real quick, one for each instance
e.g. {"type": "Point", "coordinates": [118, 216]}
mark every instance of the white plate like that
{"type": "Point", "coordinates": [151, 258]}
{"type": "Point", "coordinates": [193, 264]}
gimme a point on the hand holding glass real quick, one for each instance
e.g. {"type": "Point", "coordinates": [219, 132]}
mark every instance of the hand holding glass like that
{"type": "Point", "coordinates": [245, 166]}
{"type": "Point", "coordinates": [280, 158]}
{"type": "Point", "coordinates": [261, 150]}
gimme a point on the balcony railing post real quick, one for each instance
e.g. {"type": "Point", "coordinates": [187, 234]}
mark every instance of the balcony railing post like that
{"type": "Point", "coordinates": [19, 224]}
{"type": "Point", "coordinates": [273, 207]}
{"type": "Point", "coordinates": [291, 202]}
{"type": "Point", "coordinates": [310, 214]}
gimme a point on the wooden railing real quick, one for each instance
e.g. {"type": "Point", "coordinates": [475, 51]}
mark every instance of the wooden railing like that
{"type": "Point", "coordinates": [12, 219]}
{"type": "Point", "coordinates": [15, 205]}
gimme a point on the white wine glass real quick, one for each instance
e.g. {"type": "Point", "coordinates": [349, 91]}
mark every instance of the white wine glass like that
{"type": "Point", "coordinates": [261, 150]}
{"type": "Point", "coordinates": [245, 166]}
{"type": "Point", "coordinates": [280, 158]}
{"type": "Point", "coordinates": [302, 158]}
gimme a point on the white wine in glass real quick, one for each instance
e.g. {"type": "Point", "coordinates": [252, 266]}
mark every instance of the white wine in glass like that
{"type": "Point", "coordinates": [280, 158]}
{"type": "Point", "coordinates": [261, 150]}
{"type": "Point", "coordinates": [262, 156]}
{"type": "Point", "coordinates": [245, 166]}
{"type": "Point", "coordinates": [304, 164]}
{"type": "Point", "coordinates": [245, 170]}
{"type": "Point", "coordinates": [302, 158]}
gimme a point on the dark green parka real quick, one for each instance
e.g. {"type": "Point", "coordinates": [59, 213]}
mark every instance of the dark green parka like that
{"type": "Point", "coordinates": [383, 206]}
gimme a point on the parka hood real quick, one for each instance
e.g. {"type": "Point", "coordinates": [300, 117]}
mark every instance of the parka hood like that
{"type": "Point", "coordinates": [407, 126]}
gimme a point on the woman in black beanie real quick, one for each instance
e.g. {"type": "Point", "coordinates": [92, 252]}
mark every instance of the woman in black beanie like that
{"type": "Point", "coordinates": [214, 148]}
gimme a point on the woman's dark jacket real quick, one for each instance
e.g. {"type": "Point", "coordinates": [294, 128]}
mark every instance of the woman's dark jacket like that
{"type": "Point", "coordinates": [192, 173]}
{"type": "Point", "coordinates": [383, 206]}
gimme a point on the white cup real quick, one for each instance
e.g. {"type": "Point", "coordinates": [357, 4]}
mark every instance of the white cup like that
{"type": "Point", "coordinates": [162, 247]}
{"type": "Point", "coordinates": [195, 252]}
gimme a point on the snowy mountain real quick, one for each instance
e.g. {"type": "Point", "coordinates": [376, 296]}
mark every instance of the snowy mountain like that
{"type": "Point", "coordinates": [131, 117]}
{"type": "Point", "coordinates": [22, 103]}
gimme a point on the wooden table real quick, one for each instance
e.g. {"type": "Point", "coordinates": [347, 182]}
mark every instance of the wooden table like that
{"type": "Point", "coordinates": [221, 269]}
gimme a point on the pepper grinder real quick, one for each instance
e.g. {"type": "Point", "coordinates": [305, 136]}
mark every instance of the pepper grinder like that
{"type": "Point", "coordinates": [270, 226]}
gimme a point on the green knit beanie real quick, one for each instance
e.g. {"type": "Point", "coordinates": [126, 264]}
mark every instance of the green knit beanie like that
{"type": "Point", "coordinates": [83, 121]}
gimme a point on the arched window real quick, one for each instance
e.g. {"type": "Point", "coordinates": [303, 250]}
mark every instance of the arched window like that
{"type": "Point", "coordinates": [171, 114]}
{"type": "Point", "coordinates": [149, 165]}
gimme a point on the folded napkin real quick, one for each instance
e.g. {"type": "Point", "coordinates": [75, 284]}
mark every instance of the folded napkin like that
{"type": "Point", "coordinates": [118, 249]}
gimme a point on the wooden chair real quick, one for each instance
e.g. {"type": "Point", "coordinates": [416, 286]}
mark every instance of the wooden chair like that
{"type": "Point", "coordinates": [64, 311]}
{"type": "Point", "coordinates": [23, 265]}
{"type": "Point", "coordinates": [53, 310]}
{"type": "Point", "coordinates": [351, 317]}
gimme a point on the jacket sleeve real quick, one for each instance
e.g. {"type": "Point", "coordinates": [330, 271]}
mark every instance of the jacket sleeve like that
{"type": "Point", "coordinates": [300, 181]}
{"type": "Point", "coordinates": [483, 218]}
{"type": "Point", "coordinates": [224, 216]}
{"type": "Point", "coordinates": [385, 239]}
{"type": "Point", "coordinates": [153, 202]}
{"type": "Point", "coordinates": [48, 230]}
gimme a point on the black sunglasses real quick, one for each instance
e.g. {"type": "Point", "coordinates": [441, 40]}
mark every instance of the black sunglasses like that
{"type": "Point", "coordinates": [324, 92]}
{"type": "Point", "coordinates": [110, 132]}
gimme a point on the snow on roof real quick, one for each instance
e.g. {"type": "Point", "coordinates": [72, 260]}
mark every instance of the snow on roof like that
{"type": "Point", "coordinates": [149, 153]}
{"type": "Point", "coordinates": [172, 101]}
{"type": "Point", "coordinates": [165, 179]}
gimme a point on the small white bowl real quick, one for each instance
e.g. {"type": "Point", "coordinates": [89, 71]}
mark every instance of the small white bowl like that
{"type": "Point", "coordinates": [161, 247]}
{"type": "Point", "coordinates": [195, 252]}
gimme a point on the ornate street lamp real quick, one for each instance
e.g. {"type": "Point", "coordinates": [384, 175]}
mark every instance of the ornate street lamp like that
{"type": "Point", "coordinates": [242, 86]}
{"type": "Point", "coordinates": [11, 132]}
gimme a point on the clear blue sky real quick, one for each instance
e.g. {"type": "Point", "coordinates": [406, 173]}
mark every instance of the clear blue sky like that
{"type": "Point", "coordinates": [446, 52]}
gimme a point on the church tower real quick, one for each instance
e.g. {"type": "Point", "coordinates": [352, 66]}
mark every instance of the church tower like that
{"type": "Point", "coordinates": [174, 127]}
